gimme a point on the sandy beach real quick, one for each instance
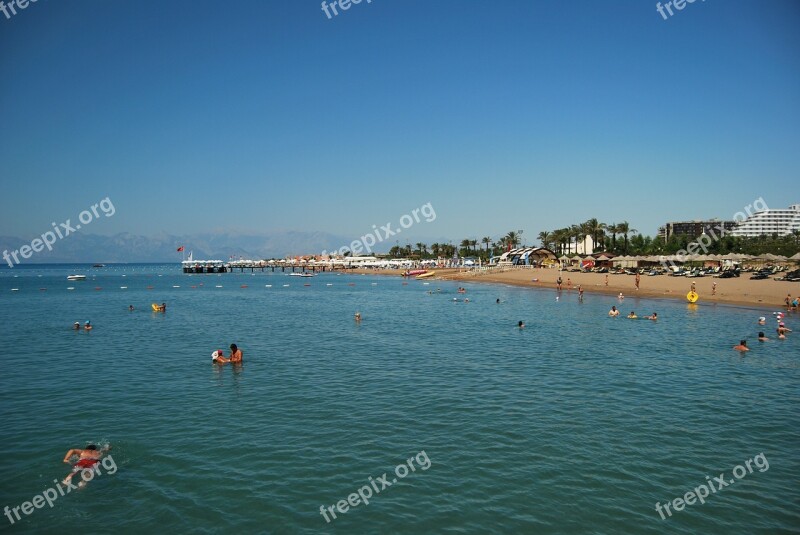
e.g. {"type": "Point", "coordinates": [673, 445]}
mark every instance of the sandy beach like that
{"type": "Point", "coordinates": [737, 291]}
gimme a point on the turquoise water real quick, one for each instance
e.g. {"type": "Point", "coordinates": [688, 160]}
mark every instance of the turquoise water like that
{"type": "Point", "coordinates": [579, 423]}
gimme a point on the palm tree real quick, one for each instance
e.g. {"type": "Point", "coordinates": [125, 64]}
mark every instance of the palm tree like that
{"type": "Point", "coordinates": [625, 229]}
{"type": "Point", "coordinates": [595, 228]}
{"type": "Point", "coordinates": [613, 229]}
{"type": "Point", "coordinates": [435, 249]}
{"type": "Point", "coordinates": [420, 247]}
{"type": "Point", "coordinates": [474, 244]}
{"type": "Point", "coordinates": [486, 240]}
{"type": "Point", "coordinates": [512, 238]}
{"type": "Point", "coordinates": [466, 243]}
{"type": "Point", "coordinates": [545, 237]}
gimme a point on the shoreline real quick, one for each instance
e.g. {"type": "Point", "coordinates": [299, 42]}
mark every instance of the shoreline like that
{"type": "Point", "coordinates": [760, 294]}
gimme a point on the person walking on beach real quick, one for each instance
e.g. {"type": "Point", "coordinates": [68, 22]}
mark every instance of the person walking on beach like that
{"type": "Point", "coordinates": [714, 288]}
{"type": "Point", "coordinates": [693, 287]}
{"type": "Point", "coordinates": [606, 279]}
{"type": "Point", "coordinates": [638, 278]}
{"type": "Point", "coordinates": [569, 283]}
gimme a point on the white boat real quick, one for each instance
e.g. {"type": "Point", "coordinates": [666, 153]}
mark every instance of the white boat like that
{"type": "Point", "coordinates": [76, 277]}
{"type": "Point", "coordinates": [300, 275]}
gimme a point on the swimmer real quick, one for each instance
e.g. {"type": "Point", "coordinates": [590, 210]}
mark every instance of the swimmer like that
{"type": "Point", "coordinates": [742, 346]}
{"type": "Point", "coordinates": [762, 320]}
{"type": "Point", "coordinates": [613, 312]}
{"type": "Point", "coordinates": [632, 315]}
{"type": "Point", "coordinates": [130, 307]}
{"type": "Point", "coordinates": [498, 301]}
{"type": "Point", "coordinates": [163, 307]}
{"type": "Point", "coordinates": [76, 326]}
{"type": "Point", "coordinates": [580, 292]}
{"type": "Point", "coordinates": [466, 299]}
{"type": "Point", "coordinates": [216, 355]}
{"type": "Point", "coordinates": [521, 324]}
{"type": "Point", "coordinates": [87, 458]}
{"type": "Point", "coordinates": [235, 358]}
{"type": "Point", "coordinates": [87, 326]}
{"type": "Point", "coordinates": [357, 317]}
{"type": "Point", "coordinates": [653, 317]}
{"type": "Point", "coordinates": [762, 337]}
{"type": "Point", "coordinates": [620, 296]}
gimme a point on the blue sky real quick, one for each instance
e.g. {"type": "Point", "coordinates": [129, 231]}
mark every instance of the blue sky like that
{"type": "Point", "coordinates": [263, 115]}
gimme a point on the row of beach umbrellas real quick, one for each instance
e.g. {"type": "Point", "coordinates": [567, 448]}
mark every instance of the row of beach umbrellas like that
{"type": "Point", "coordinates": [768, 257]}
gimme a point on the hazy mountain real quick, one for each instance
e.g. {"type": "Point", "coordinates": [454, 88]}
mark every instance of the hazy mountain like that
{"type": "Point", "coordinates": [126, 247]}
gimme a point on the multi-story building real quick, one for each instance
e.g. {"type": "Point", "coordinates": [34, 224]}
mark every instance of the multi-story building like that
{"type": "Point", "coordinates": [694, 229]}
{"type": "Point", "coordinates": [769, 222]}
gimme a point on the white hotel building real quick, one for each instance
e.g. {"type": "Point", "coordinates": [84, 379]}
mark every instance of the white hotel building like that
{"type": "Point", "coordinates": [769, 222]}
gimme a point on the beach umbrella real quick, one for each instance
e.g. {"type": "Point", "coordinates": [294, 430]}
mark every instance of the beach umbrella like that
{"type": "Point", "coordinates": [576, 257]}
{"type": "Point", "coordinates": [603, 258]}
{"type": "Point", "coordinates": [795, 257]}
{"type": "Point", "coordinates": [564, 258]}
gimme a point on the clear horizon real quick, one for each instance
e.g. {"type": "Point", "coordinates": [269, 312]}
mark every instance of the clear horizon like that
{"type": "Point", "coordinates": [504, 116]}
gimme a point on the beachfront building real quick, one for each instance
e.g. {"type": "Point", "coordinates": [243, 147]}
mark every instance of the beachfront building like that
{"type": "Point", "coordinates": [695, 229]}
{"type": "Point", "coordinates": [769, 222]}
{"type": "Point", "coordinates": [528, 256]}
{"type": "Point", "coordinates": [582, 246]}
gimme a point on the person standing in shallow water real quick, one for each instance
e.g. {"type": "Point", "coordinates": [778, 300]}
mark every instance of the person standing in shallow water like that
{"type": "Point", "coordinates": [558, 283]}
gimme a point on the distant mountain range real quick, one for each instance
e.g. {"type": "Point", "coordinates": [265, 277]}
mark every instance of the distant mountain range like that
{"type": "Point", "coordinates": [126, 247]}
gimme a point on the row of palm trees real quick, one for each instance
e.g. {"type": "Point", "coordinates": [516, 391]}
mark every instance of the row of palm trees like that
{"type": "Point", "coordinates": [604, 236]}
{"type": "Point", "coordinates": [469, 247]}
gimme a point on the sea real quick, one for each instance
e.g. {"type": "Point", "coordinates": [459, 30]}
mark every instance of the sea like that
{"type": "Point", "coordinates": [435, 413]}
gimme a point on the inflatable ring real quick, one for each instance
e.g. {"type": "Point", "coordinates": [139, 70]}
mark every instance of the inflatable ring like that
{"type": "Point", "coordinates": [692, 297]}
{"type": "Point", "coordinates": [156, 308]}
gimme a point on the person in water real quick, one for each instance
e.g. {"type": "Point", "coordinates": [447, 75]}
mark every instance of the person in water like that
{"type": "Point", "coordinates": [357, 317]}
{"type": "Point", "coordinates": [87, 326]}
{"type": "Point", "coordinates": [498, 301]}
{"type": "Point", "coordinates": [235, 358]}
{"type": "Point", "coordinates": [762, 337]}
{"type": "Point", "coordinates": [87, 458]}
{"type": "Point", "coordinates": [521, 324]}
{"type": "Point", "coordinates": [558, 283]}
{"type": "Point", "coordinates": [762, 320]}
{"type": "Point", "coordinates": [163, 307]}
{"type": "Point", "coordinates": [76, 326]}
{"type": "Point", "coordinates": [742, 346]}
{"type": "Point", "coordinates": [632, 315]}
{"type": "Point", "coordinates": [130, 307]}
{"type": "Point", "coordinates": [613, 312]}
{"type": "Point", "coordinates": [654, 317]}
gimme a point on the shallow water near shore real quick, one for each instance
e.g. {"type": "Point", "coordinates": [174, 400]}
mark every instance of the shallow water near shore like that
{"type": "Point", "coordinates": [578, 423]}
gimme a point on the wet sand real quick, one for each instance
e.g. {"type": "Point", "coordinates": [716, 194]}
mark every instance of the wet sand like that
{"type": "Point", "coordinates": [767, 293]}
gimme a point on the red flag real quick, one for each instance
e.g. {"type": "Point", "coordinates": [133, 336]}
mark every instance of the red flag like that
{"type": "Point", "coordinates": [180, 248]}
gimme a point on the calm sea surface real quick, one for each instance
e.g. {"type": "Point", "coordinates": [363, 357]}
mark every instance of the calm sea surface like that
{"type": "Point", "coordinates": [579, 423]}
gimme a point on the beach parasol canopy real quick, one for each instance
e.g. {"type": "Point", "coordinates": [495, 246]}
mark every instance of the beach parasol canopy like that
{"type": "Point", "coordinates": [795, 257]}
{"type": "Point", "coordinates": [564, 258]}
{"type": "Point", "coordinates": [576, 257]}
{"type": "Point", "coordinates": [603, 258]}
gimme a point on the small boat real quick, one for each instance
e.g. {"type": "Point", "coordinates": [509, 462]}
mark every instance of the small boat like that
{"type": "Point", "coordinates": [76, 277]}
{"type": "Point", "coordinates": [99, 265]}
{"type": "Point", "coordinates": [426, 275]}
{"type": "Point", "coordinates": [300, 275]}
